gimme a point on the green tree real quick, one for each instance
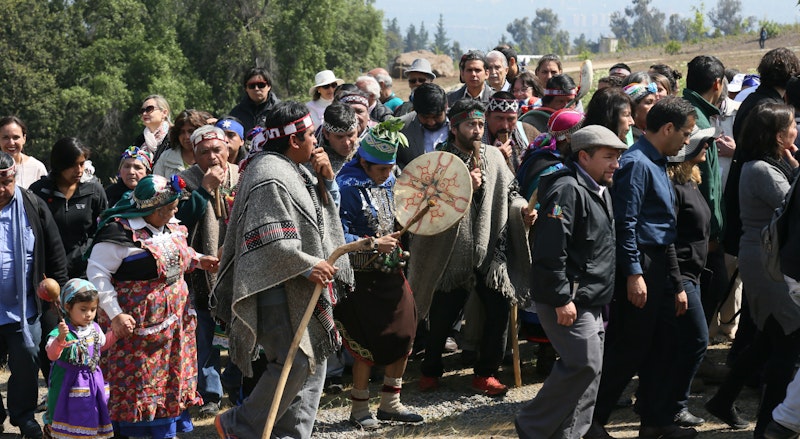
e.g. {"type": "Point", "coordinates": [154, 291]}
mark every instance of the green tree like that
{"type": "Point", "coordinates": [394, 39]}
{"type": "Point", "coordinates": [677, 28]}
{"type": "Point", "coordinates": [360, 44]}
{"type": "Point", "coordinates": [441, 44]}
{"type": "Point", "coordinates": [639, 24]}
{"type": "Point", "coordinates": [727, 17]}
{"type": "Point", "coordinates": [412, 38]}
{"type": "Point", "coordinates": [422, 37]}
{"type": "Point", "coordinates": [541, 35]}
{"type": "Point", "coordinates": [456, 50]}
{"type": "Point", "coordinates": [520, 31]}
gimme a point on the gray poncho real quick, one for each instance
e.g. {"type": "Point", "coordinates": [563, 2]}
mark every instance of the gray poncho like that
{"type": "Point", "coordinates": [491, 238]}
{"type": "Point", "coordinates": [274, 237]}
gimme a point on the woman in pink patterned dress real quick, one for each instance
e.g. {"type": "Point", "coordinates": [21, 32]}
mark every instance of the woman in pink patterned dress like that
{"type": "Point", "coordinates": [137, 263]}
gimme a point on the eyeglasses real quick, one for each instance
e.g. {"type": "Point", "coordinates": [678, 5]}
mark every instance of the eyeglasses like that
{"type": "Point", "coordinates": [147, 110]}
{"type": "Point", "coordinates": [255, 85]}
{"type": "Point", "coordinates": [331, 85]}
{"type": "Point", "coordinates": [417, 80]}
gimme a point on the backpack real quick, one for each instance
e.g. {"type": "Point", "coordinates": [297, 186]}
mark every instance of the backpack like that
{"type": "Point", "coordinates": [773, 236]}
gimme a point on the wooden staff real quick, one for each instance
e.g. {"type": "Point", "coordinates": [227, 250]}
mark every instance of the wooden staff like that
{"type": "Point", "coordinates": [361, 244]}
{"type": "Point", "coordinates": [417, 216]}
{"type": "Point", "coordinates": [217, 203]}
{"type": "Point", "coordinates": [515, 345]}
{"type": "Point", "coordinates": [323, 190]}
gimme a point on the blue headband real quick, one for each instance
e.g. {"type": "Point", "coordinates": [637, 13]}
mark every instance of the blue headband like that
{"type": "Point", "coordinates": [231, 125]}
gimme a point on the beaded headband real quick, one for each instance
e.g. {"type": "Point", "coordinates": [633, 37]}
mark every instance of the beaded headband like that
{"type": "Point", "coordinates": [465, 115]}
{"type": "Point", "coordinates": [290, 128]}
{"type": "Point", "coordinates": [354, 99]}
{"type": "Point", "coordinates": [560, 92]}
{"type": "Point", "coordinates": [134, 152]}
{"type": "Point", "coordinates": [503, 105]}
{"type": "Point", "coordinates": [9, 172]}
{"type": "Point", "coordinates": [339, 130]}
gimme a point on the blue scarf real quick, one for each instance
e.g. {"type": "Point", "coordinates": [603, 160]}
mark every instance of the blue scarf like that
{"type": "Point", "coordinates": [18, 235]}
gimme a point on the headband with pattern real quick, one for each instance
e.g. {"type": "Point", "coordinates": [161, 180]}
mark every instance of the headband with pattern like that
{"type": "Point", "coordinates": [9, 172]}
{"type": "Point", "coordinates": [328, 127]}
{"type": "Point", "coordinates": [560, 92]}
{"type": "Point", "coordinates": [465, 115]}
{"type": "Point", "coordinates": [502, 105]}
{"type": "Point", "coordinates": [297, 126]}
{"type": "Point", "coordinates": [354, 99]}
{"type": "Point", "coordinates": [638, 91]}
{"type": "Point", "coordinates": [211, 135]}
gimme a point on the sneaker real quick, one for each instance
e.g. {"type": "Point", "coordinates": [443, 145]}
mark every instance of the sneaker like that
{"type": "Point", "coordinates": [450, 345]}
{"type": "Point", "coordinates": [727, 414]}
{"type": "Point", "coordinates": [209, 409]}
{"type": "Point", "coordinates": [489, 386]}
{"type": "Point", "coordinates": [368, 422]}
{"type": "Point", "coordinates": [402, 415]}
{"type": "Point", "coordinates": [426, 384]}
{"type": "Point", "coordinates": [221, 430]}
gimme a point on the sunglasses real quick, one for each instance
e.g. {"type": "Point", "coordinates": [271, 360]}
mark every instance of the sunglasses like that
{"type": "Point", "coordinates": [417, 80]}
{"type": "Point", "coordinates": [147, 110]}
{"type": "Point", "coordinates": [255, 85]}
{"type": "Point", "coordinates": [331, 85]}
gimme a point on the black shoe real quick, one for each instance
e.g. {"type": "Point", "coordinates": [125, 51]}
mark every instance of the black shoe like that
{"type": "Point", "coordinates": [31, 430]}
{"type": "Point", "coordinates": [666, 432]}
{"type": "Point", "coordinates": [209, 409]}
{"type": "Point", "coordinates": [402, 416]}
{"type": "Point", "coordinates": [333, 385]}
{"type": "Point", "coordinates": [684, 418]}
{"type": "Point", "coordinates": [726, 414]}
{"type": "Point", "coordinates": [597, 431]}
{"type": "Point", "coordinates": [778, 431]}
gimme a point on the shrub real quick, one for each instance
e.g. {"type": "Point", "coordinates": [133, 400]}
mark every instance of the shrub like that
{"type": "Point", "coordinates": [672, 48]}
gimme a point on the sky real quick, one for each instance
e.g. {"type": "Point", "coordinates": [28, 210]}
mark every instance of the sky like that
{"type": "Point", "coordinates": [480, 24]}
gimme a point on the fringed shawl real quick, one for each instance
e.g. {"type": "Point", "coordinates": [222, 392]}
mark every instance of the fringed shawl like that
{"type": "Point", "coordinates": [273, 238]}
{"type": "Point", "coordinates": [491, 239]}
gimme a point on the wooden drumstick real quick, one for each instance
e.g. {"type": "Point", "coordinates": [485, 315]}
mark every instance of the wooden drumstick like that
{"type": "Point", "coordinates": [476, 154]}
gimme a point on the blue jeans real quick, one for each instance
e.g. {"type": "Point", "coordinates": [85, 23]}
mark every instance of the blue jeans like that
{"type": "Point", "coordinates": [23, 363]}
{"type": "Point", "coordinates": [209, 384]}
{"type": "Point", "coordinates": [692, 344]}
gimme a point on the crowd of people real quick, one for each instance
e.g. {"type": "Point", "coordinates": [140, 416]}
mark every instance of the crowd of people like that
{"type": "Point", "coordinates": [627, 234]}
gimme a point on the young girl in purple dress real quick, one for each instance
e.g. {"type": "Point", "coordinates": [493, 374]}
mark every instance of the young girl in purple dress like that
{"type": "Point", "coordinates": [77, 399]}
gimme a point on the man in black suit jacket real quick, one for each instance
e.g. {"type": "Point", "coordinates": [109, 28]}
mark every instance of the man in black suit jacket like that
{"type": "Point", "coordinates": [425, 127]}
{"type": "Point", "coordinates": [472, 67]}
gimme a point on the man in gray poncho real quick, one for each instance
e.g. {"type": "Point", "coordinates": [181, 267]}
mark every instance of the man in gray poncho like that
{"type": "Point", "coordinates": [280, 231]}
{"type": "Point", "coordinates": [485, 253]}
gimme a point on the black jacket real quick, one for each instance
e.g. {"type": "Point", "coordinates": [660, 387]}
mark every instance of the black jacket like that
{"type": "Point", "coordinates": [48, 252]}
{"type": "Point", "coordinates": [573, 242]}
{"type": "Point", "coordinates": [252, 114]}
{"type": "Point", "coordinates": [380, 113]}
{"type": "Point", "coordinates": [75, 219]}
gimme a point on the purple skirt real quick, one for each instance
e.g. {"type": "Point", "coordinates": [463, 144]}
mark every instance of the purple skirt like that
{"type": "Point", "coordinates": [82, 407]}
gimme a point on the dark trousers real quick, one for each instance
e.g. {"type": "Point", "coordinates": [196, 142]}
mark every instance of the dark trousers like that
{"type": "Point", "coordinates": [641, 340]}
{"type": "Point", "coordinates": [778, 353]}
{"type": "Point", "coordinates": [715, 287]}
{"type": "Point", "coordinates": [23, 363]}
{"type": "Point", "coordinates": [445, 310]}
{"type": "Point", "coordinates": [692, 345]}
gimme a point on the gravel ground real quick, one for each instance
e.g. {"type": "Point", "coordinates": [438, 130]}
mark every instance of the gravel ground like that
{"type": "Point", "coordinates": [455, 411]}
